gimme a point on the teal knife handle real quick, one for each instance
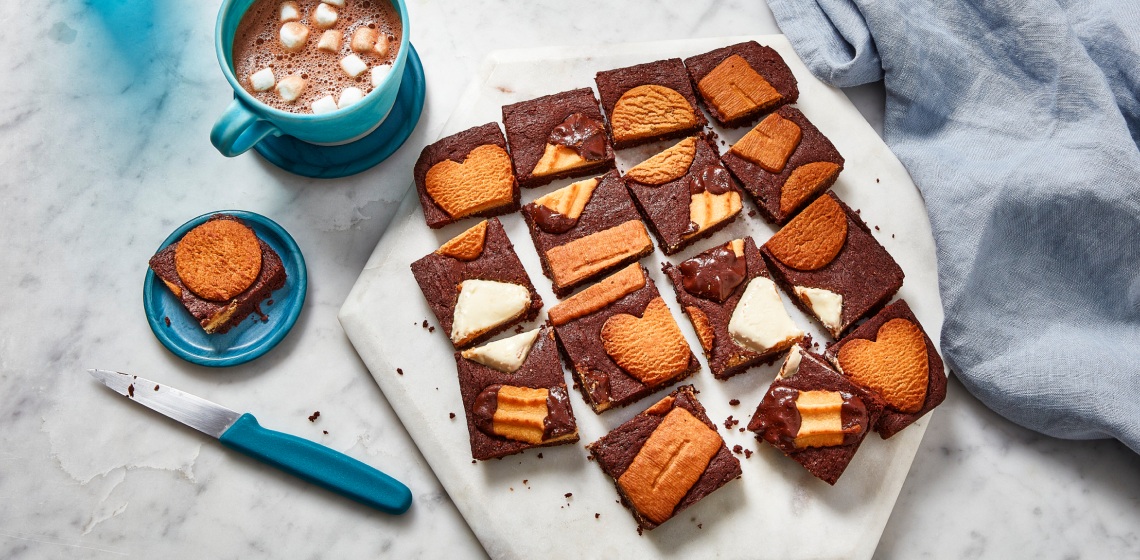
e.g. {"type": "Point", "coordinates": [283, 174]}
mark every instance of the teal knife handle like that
{"type": "Point", "coordinates": [318, 464]}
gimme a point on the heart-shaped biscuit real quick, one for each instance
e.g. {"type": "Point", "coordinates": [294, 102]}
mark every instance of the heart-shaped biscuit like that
{"type": "Point", "coordinates": [812, 239]}
{"type": "Point", "coordinates": [894, 365]}
{"type": "Point", "coordinates": [650, 348]}
{"type": "Point", "coordinates": [483, 181]}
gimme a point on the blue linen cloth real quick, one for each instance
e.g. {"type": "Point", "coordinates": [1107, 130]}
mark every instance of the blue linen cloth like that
{"type": "Point", "coordinates": [1019, 122]}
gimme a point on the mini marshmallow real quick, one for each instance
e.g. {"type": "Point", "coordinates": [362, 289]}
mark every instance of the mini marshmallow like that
{"type": "Point", "coordinates": [337, 3]}
{"type": "Point", "coordinates": [293, 36]}
{"type": "Point", "coordinates": [262, 79]}
{"type": "Point", "coordinates": [382, 44]}
{"type": "Point", "coordinates": [363, 39]}
{"type": "Point", "coordinates": [330, 41]}
{"type": "Point", "coordinates": [324, 16]}
{"type": "Point", "coordinates": [289, 12]}
{"type": "Point", "coordinates": [353, 65]}
{"type": "Point", "coordinates": [379, 73]}
{"type": "Point", "coordinates": [324, 105]}
{"type": "Point", "coordinates": [349, 96]}
{"type": "Point", "coordinates": [290, 87]}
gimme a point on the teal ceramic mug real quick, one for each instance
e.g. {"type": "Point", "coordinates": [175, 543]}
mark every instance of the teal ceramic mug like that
{"type": "Point", "coordinates": [247, 121]}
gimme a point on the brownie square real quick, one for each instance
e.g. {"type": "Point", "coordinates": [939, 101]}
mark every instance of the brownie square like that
{"type": "Point", "coordinates": [484, 256]}
{"type": "Point", "coordinates": [665, 459]}
{"type": "Point", "coordinates": [564, 132]}
{"type": "Point", "coordinates": [838, 422]}
{"type": "Point", "coordinates": [898, 363]}
{"type": "Point", "coordinates": [831, 265]}
{"type": "Point", "coordinates": [674, 196]}
{"type": "Point", "coordinates": [758, 98]}
{"type": "Point", "coordinates": [218, 317]}
{"type": "Point", "coordinates": [466, 174]}
{"type": "Point", "coordinates": [510, 405]}
{"type": "Point", "coordinates": [736, 332]}
{"type": "Point", "coordinates": [784, 188]}
{"type": "Point", "coordinates": [586, 230]}
{"type": "Point", "coordinates": [648, 102]}
{"type": "Point", "coordinates": [620, 340]}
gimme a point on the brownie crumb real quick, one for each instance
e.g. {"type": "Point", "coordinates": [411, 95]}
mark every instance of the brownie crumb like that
{"type": "Point", "coordinates": [472, 461]}
{"type": "Point", "coordinates": [540, 455]}
{"type": "Point", "coordinates": [451, 415]}
{"type": "Point", "coordinates": [270, 302]}
{"type": "Point", "coordinates": [326, 432]}
{"type": "Point", "coordinates": [876, 228]}
{"type": "Point", "coordinates": [424, 325]}
{"type": "Point", "coordinates": [589, 457]}
{"type": "Point", "coordinates": [700, 525]}
{"type": "Point", "coordinates": [892, 236]}
{"type": "Point", "coordinates": [524, 481]}
{"type": "Point", "coordinates": [747, 453]}
{"type": "Point", "coordinates": [568, 494]}
{"type": "Point", "coordinates": [313, 417]}
{"type": "Point", "coordinates": [156, 387]}
{"type": "Point", "coordinates": [734, 402]}
{"type": "Point", "coordinates": [166, 320]}
{"type": "Point", "coordinates": [431, 329]}
{"type": "Point", "coordinates": [876, 179]}
{"type": "Point", "coordinates": [597, 515]}
{"type": "Point", "coordinates": [400, 371]}
{"type": "Point", "coordinates": [512, 488]}
{"type": "Point", "coordinates": [131, 390]}
{"type": "Point", "coordinates": [742, 430]}
{"type": "Point", "coordinates": [730, 422]}
{"type": "Point", "coordinates": [737, 449]}
{"type": "Point", "coordinates": [751, 213]}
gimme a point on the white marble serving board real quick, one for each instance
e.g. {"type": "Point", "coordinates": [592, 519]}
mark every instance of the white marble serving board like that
{"type": "Point", "coordinates": [517, 506]}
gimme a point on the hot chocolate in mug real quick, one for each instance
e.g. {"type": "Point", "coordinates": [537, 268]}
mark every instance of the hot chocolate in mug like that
{"type": "Point", "coordinates": [247, 121]}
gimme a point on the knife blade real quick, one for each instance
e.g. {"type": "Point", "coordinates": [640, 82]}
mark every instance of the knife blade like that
{"type": "Point", "coordinates": [302, 458]}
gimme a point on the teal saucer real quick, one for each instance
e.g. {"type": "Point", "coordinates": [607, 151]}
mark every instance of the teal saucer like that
{"type": "Point", "coordinates": [180, 332]}
{"type": "Point", "coordinates": [330, 162]}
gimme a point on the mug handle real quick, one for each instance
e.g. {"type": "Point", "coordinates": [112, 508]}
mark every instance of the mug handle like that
{"type": "Point", "coordinates": [238, 129]}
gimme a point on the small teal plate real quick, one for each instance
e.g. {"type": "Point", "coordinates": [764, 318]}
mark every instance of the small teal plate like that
{"type": "Point", "coordinates": [247, 340]}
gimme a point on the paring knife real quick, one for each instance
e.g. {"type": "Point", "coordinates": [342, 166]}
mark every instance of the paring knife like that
{"type": "Point", "coordinates": [300, 457]}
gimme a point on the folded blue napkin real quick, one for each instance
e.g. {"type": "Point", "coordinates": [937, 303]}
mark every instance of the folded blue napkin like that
{"type": "Point", "coordinates": [1019, 122]}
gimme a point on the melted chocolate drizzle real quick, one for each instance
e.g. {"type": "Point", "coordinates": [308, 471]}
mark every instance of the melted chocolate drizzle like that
{"type": "Point", "coordinates": [780, 419]}
{"type": "Point", "coordinates": [713, 274]}
{"type": "Point", "coordinates": [552, 221]}
{"type": "Point", "coordinates": [712, 178]}
{"type": "Point", "coordinates": [582, 134]}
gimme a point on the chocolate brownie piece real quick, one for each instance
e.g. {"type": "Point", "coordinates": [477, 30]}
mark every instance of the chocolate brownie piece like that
{"type": "Point", "coordinates": [666, 458]}
{"type": "Point", "coordinates": [221, 316]}
{"type": "Point", "coordinates": [784, 163]}
{"type": "Point", "coordinates": [648, 102]}
{"type": "Point", "coordinates": [891, 355]}
{"type": "Point", "coordinates": [557, 136]}
{"type": "Point", "coordinates": [685, 193]}
{"type": "Point", "coordinates": [466, 174]}
{"type": "Point", "coordinates": [740, 82]}
{"type": "Point", "coordinates": [586, 230]}
{"type": "Point", "coordinates": [734, 306]}
{"type": "Point", "coordinates": [620, 340]}
{"type": "Point", "coordinates": [831, 265]}
{"type": "Point", "coordinates": [476, 286]}
{"type": "Point", "coordinates": [515, 395]}
{"type": "Point", "coordinates": [815, 415]}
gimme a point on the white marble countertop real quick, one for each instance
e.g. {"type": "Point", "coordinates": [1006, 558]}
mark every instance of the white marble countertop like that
{"type": "Point", "coordinates": [104, 150]}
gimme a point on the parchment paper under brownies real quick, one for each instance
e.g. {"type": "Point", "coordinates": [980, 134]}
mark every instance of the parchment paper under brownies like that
{"type": "Point", "coordinates": [740, 82]}
{"type": "Point", "coordinates": [466, 174]}
{"type": "Point", "coordinates": [514, 395]}
{"type": "Point", "coordinates": [620, 340]}
{"type": "Point", "coordinates": [827, 259]}
{"type": "Point", "coordinates": [557, 136]}
{"type": "Point", "coordinates": [785, 162]}
{"type": "Point", "coordinates": [476, 285]}
{"type": "Point", "coordinates": [585, 230]}
{"type": "Point", "coordinates": [648, 102]}
{"type": "Point", "coordinates": [734, 306]}
{"type": "Point", "coordinates": [685, 193]}
{"type": "Point", "coordinates": [665, 459]}
{"type": "Point", "coordinates": [891, 355]}
{"type": "Point", "coordinates": [815, 415]}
